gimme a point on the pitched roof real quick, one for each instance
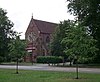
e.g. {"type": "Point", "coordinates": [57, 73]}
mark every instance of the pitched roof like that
{"type": "Point", "coordinates": [45, 27]}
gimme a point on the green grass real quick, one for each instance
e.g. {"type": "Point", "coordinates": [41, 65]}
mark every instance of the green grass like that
{"type": "Point", "coordinates": [7, 75]}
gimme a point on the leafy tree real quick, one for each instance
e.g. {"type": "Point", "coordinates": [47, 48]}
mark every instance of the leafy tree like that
{"type": "Point", "coordinates": [88, 12]}
{"type": "Point", "coordinates": [5, 33]}
{"type": "Point", "coordinates": [17, 49]}
{"type": "Point", "coordinates": [56, 46]}
{"type": "Point", "coordinates": [78, 42]}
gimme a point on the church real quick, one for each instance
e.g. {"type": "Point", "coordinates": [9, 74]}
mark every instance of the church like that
{"type": "Point", "coordinates": [38, 36]}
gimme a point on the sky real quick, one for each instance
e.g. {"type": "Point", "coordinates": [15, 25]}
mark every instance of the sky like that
{"type": "Point", "coordinates": [20, 12]}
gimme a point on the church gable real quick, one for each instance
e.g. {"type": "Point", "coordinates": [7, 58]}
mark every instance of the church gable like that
{"type": "Point", "coordinates": [40, 27]}
{"type": "Point", "coordinates": [38, 35]}
{"type": "Point", "coordinates": [32, 28]}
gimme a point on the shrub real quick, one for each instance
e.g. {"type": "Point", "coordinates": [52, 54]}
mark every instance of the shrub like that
{"type": "Point", "coordinates": [49, 59]}
{"type": "Point", "coordinates": [1, 59]}
{"type": "Point", "coordinates": [84, 60]}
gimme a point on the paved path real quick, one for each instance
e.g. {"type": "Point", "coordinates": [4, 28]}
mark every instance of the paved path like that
{"type": "Point", "coordinates": [49, 68]}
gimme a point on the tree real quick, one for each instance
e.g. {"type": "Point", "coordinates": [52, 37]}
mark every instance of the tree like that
{"type": "Point", "coordinates": [78, 42]}
{"type": "Point", "coordinates": [5, 33]}
{"type": "Point", "coordinates": [56, 46]}
{"type": "Point", "coordinates": [17, 49]}
{"type": "Point", "coordinates": [88, 12]}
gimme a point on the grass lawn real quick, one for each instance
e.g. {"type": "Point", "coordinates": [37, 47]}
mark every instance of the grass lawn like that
{"type": "Point", "coordinates": [8, 75]}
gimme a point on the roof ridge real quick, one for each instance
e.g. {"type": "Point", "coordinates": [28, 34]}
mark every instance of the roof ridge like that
{"type": "Point", "coordinates": [44, 21]}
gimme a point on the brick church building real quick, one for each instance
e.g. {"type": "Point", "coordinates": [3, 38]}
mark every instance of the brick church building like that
{"type": "Point", "coordinates": [38, 36]}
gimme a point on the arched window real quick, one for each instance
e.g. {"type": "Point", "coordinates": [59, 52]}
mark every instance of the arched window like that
{"type": "Point", "coordinates": [47, 39]}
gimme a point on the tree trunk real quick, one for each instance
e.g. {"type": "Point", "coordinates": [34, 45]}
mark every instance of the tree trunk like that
{"type": "Point", "coordinates": [77, 68]}
{"type": "Point", "coordinates": [63, 61]}
{"type": "Point", "coordinates": [17, 66]}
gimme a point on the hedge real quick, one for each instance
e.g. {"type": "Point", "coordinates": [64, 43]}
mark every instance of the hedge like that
{"type": "Point", "coordinates": [49, 59]}
{"type": "Point", "coordinates": [1, 59]}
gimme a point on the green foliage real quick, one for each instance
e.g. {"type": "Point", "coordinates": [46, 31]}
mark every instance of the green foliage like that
{"type": "Point", "coordinates": [84, 60]}
{"type": "Point", "coordinates": [17, 48]}
{"type": "Point", "coordinates": [60, 33]}
{"type": "Point", "coordinates": [88, 12]}
{"type": "Point", "coordinates": [79, 42]}
{"type": "Point", "coordinates": [1, 59]}
{"type": "Point", "coordinates": [5, 33]}
{"type": "Point", "coordinates": [49, 59]}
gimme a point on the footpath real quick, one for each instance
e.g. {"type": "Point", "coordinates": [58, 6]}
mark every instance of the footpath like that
{"type": "Point", "coordinates": [44, 67]}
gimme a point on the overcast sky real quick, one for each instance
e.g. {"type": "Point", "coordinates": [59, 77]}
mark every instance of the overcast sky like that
{"type": "Point", "coordinates": [20, 12]}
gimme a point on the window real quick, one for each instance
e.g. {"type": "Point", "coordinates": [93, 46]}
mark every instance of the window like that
{"type": "Point", "coordinates": [47, 39]}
